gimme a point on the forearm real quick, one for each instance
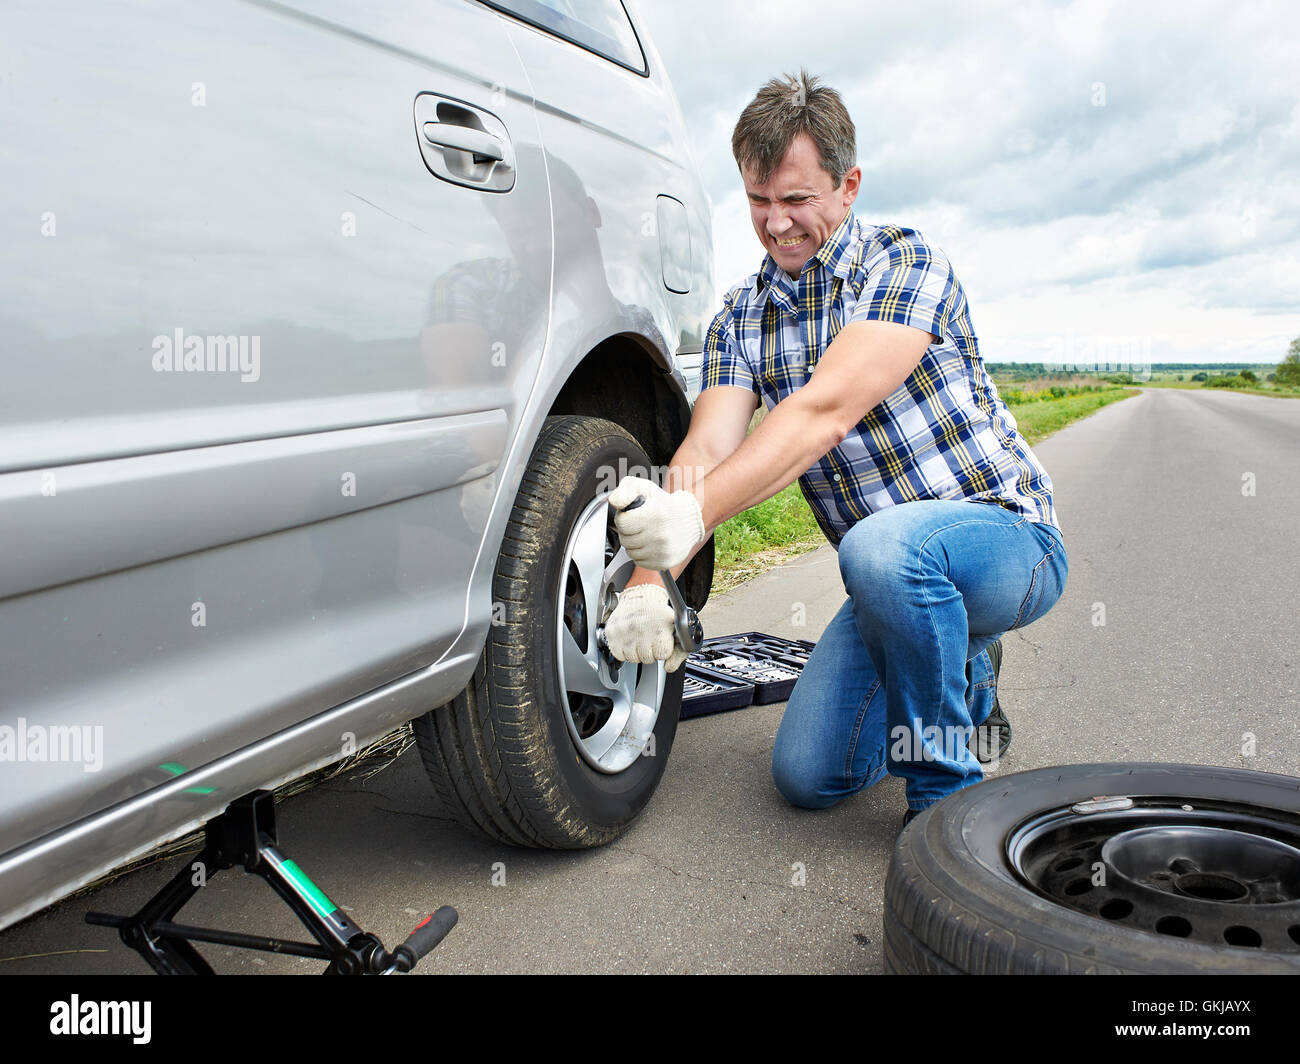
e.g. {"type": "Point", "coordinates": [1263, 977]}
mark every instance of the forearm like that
{"type": "Point", "coordinates": [687, 469]}
{"type": "Point", "coordinates": [794, 435]}
{"type": "Point", "coordinates": [865, 363]}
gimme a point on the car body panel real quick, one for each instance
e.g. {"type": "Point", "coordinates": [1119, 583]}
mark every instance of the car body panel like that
{"type": "Point", "coordinates": [240, 574]}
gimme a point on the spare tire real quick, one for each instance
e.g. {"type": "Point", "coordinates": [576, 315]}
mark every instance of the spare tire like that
{"type": "Point", "coordinates": [1112, 868]}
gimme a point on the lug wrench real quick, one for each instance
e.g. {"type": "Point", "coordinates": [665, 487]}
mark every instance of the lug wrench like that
{"type": "Point", "coordinates": [690, 632]}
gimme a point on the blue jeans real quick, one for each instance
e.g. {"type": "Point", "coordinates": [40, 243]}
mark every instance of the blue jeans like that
{"type": "Point", "coordinates": [901, 676]}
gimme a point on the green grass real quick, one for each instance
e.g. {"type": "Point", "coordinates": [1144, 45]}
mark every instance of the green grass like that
{"type": "Point", "coordinates": [1038, 420]}
{"type": "Point", "coordinates": [763, 536]}
{"type": "Point", "coordinates": [770, 533]}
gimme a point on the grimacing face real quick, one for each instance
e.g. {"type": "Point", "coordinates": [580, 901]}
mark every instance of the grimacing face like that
{"type": "Point", "coordinates": [797, 208]}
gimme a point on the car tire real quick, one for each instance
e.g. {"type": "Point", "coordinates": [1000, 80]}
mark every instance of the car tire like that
{"type": "Point", "coordinates": [1034, 873]}
{"type": "Point", "coordinates": [518, 756]}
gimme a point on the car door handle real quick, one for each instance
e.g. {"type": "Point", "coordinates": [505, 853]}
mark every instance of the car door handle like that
{"type": "Point", "coordinates": [463, 138]}
{"type": "Point", "coordinates": [464, 144]}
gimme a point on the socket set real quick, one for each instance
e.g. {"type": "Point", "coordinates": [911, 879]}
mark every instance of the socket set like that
{"type": "Point", "coordinates": [710, 693]}
{"type": "Point", "coordinates": [730, 672]}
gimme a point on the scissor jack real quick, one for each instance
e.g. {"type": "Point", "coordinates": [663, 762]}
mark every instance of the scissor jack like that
{"type": "Point", "coordinates": [245, 835]}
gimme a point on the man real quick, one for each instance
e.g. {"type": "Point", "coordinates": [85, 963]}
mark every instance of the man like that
{"type": "Point", "coordinates": [859, 341]}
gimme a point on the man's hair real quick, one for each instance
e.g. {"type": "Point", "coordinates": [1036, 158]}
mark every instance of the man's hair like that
{"type": "Point", "coordinates": [782, 109]}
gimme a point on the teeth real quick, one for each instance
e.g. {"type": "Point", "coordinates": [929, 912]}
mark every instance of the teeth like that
{"type": "Point", "coordinates": [789, 243]}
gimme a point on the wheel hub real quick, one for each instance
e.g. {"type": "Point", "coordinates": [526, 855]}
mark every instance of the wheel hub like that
{"type": "Point", "coordinates": [1210, 863]}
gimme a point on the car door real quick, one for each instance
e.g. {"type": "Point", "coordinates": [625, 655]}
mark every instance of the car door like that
{"type": "Point", "coordinates": [276, 283]}
{"type": "Point", "coordinates": [633, 247]}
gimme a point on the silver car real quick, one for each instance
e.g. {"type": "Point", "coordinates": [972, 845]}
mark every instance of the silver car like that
{"type": "Point", "coordinates": [327, 325]}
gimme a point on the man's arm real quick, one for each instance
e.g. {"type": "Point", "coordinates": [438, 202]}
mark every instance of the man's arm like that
{"type": "Point", "coordinates": [865, 363]}
{"type": "Point", "coordinates": [718, 425]}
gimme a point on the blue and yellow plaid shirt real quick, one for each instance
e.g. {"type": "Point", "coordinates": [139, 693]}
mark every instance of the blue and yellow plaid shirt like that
{"type": "Point", "coordinates": [944, 434]}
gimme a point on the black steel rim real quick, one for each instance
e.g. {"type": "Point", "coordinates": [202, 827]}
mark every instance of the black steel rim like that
{"type": "Point", "coordinates": [1217, 872]}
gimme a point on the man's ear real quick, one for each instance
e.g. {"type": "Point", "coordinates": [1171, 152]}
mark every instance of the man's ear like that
{"type": "Point", "coordinates": [852, 182]}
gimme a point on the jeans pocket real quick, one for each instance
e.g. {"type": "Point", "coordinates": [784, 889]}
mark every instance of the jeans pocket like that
{"type": "Point", "coordinates": [1045, 586]}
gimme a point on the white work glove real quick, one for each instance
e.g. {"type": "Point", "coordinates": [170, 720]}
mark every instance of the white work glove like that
{"type": "Point", "coordinates": [661, 532]}
{"type": "Point", "coordinates": [641, 629]}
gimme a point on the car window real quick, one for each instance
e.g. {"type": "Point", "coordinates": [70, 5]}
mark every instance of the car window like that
{"type": "Point", "coordinates": [600, 26]}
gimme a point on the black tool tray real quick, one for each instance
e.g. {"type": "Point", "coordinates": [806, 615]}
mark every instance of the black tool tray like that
{"type": "Point", "coordinates": [709, 692]}
{"type": "Point", "coordinates": [770, 664]}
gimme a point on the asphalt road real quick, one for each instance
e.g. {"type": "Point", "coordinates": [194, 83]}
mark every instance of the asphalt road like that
{"type": "Point", "coordinates": [1180, 511]}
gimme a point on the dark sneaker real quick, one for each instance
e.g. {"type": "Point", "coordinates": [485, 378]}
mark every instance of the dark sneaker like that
{"type": "Point", "coordinates": [996, 729]}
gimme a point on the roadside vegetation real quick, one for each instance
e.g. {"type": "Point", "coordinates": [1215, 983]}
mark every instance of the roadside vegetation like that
{"type": "Point", "coordinates": [1281, 381]}
{"type": "Point", "coordinates": [1246, 380]}
{"type": "Point", "coordinates": [783, 527]}
{"type": "Point", "coordinates": [1039, 418]}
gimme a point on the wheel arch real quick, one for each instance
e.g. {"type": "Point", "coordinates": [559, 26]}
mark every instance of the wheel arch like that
{"type": "Point", "coordinates": [623, 380]}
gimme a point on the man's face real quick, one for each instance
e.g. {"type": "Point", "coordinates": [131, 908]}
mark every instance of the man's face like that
{"type": "Point", "coordinates": [797, 208]}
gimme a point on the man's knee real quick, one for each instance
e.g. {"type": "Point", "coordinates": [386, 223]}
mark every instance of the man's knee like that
{"type": "Point", "coordinates": [801, 785]}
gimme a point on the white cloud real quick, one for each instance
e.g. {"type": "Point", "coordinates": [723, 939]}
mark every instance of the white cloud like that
{"type": "Point", "coordinates": [1173, 209]}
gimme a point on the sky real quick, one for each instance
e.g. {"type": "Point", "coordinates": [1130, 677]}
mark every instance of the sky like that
{"type": "Point", "coordinates": [1110, 181]}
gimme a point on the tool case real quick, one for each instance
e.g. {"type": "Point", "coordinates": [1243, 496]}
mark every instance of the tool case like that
{"type": "Point", "coordinates": [708, 692]}
{"type": "Point", "coordinates": [730, 672]}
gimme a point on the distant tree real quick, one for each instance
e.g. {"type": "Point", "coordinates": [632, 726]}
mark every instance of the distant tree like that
{"type": "Point", "coordinates": [1228, 380]}
{"type": "Point", "coordinates": [1247, 375]}
{"type": "Point", "coordinates": [1288, 373]}
{"type": "Point", "coordinates": [1202, 376]}
{"type": "Point", "coordinates": [1180, 376]}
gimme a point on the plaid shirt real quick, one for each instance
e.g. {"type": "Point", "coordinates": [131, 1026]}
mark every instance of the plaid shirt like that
{"type": "Point", "coordinates": [944, 434]}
